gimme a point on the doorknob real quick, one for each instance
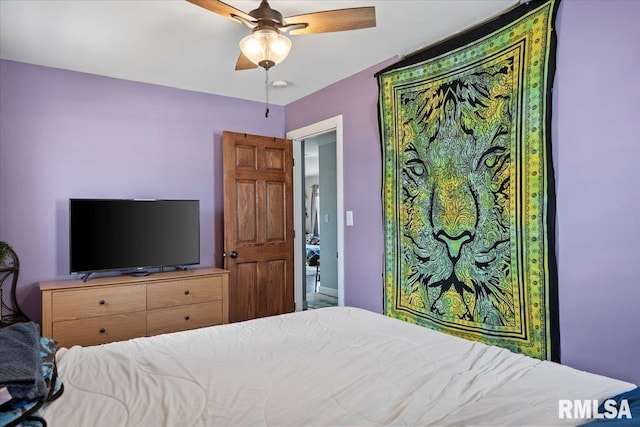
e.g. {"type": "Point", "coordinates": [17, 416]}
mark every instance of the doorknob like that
{"type": "Point", "coordinates": [233, 254]}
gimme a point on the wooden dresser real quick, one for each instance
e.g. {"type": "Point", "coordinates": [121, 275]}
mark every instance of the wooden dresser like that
{"type": "Point", "coordinates": [117, 308]}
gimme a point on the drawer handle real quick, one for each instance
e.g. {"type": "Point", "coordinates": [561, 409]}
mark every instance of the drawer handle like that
{"type": "Point", "coordinates": [103, 330]}
{"type": "Point", "coordinates": [186, 292]}
{"type": "Point", "coordinates": [102, 302]}
{"type": "Point", "coordinates": [187, 317]}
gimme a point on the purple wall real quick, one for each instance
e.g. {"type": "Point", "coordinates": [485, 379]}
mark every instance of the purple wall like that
{"type": "Point", "coordinates": [596, 151]}
{"type": "Point", "coordinates": [65, 134]}
{"type": "Point", "coordinates": [356, 98]}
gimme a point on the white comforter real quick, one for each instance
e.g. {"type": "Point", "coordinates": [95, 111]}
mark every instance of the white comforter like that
{"type": "Point", "coordinates": [333, 366]}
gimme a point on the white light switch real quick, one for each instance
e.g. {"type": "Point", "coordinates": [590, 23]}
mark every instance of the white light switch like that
{"type": "Point", "coordinates": [349, 218]}
{"type": "Point", "coordinates": [326, 217]}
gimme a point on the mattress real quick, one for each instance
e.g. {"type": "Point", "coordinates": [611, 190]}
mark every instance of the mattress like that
{"type": "Point", "coordinates": [312, 250]}
{"type": "Point", "coordinates": [332, 366]}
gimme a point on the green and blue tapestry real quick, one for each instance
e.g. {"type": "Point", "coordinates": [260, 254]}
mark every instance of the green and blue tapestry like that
{"type": "Point", "coordinates": [468, 185]}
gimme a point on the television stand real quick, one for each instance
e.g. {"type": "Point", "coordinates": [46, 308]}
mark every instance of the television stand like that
{"type": "Point", "coordinates": [139, 273]}
{"type": "Point", "coordinates": [117, 308]}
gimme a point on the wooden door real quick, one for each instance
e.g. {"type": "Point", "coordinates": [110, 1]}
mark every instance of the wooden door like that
{"type": "Point", "coordinates": [258, 225]}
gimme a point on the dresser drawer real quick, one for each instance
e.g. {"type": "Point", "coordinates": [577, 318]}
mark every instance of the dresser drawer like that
{"type": "Point", "coordinates": [185, 317]}
{"type": "Point", "coordinates": [100, 330]}
{"type": "Point", "coordinates": [98, 301]}
{"type": "Point", "coordinates": [183, 292]}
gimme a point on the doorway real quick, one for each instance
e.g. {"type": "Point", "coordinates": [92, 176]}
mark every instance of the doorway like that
{"type": "Point", "coordinates": [319, 133]}
{"type": "Point", "coordinates": [320, 224]}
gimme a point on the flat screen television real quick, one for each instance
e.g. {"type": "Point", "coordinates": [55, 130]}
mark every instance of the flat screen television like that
{"type": "Point", "coordinates": [132, 235]}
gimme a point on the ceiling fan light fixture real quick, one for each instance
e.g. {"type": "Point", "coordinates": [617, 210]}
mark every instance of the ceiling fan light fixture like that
{"type": "Point", "coordinates": [265, 48]}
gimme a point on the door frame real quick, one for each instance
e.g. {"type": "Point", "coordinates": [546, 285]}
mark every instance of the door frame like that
{"type": "Point", "coordinates": [298, 135]}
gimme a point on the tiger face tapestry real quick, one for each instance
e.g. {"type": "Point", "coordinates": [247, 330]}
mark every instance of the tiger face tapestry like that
{"type": "Point", "coordinates": [468, 186]}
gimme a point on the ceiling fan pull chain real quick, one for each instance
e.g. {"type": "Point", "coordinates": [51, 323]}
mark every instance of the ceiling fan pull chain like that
{"type": "Point", "coordinates": [266, 86]}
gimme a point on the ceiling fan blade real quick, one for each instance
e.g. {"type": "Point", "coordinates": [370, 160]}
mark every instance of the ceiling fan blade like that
{"type": "Point", "coordinates": [243, 63]}
{"type": "Point", "coordinates": [221, 8]}
{"type": "Point", "coordinates": [334, 20]}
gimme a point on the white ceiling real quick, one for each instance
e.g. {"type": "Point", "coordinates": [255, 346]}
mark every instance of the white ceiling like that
{"type": "Point", "coordinates": [177, 44]}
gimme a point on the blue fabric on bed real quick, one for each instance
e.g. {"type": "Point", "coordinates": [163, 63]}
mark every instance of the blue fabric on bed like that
{"type": "Point", "coordinates": [312, 250]}
{"type": "Point", "coordinates": [27, 412]}
{"type": "Point", "coordinates": [20, 364]}
{"type": "Point", "coordinates": [633, 397]}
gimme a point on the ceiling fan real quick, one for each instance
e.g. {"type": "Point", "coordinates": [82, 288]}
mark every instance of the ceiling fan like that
{"type": "Point", "coordinates": [266, 46]}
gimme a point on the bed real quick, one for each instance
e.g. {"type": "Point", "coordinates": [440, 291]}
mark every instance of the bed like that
{"type": "Point", "coordinates": [312, 246]}
{"type": "Point", "coordinates": [312, 250]}
{"type": "Point", "coordinates": [332, 366]}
